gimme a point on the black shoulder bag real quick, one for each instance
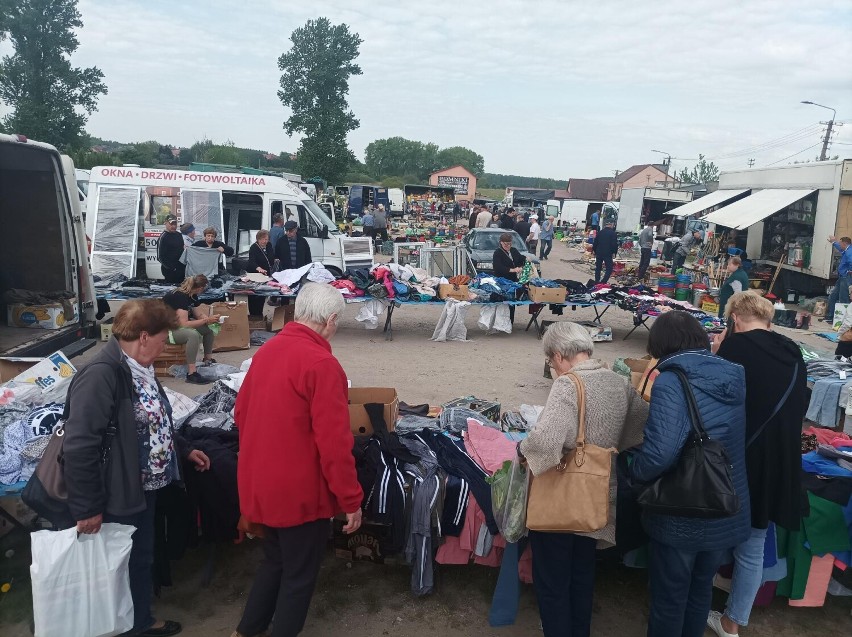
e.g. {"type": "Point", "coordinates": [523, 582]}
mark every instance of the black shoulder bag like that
{"type": "Point", "coordinates": [46, 492]}
{"type": "Point", "coordinates": [700, 484]}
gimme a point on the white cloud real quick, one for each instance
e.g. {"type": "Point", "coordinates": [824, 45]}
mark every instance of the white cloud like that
{"type": "Point", "coordinates": [548, 88]}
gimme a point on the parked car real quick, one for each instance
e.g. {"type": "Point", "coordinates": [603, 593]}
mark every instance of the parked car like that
{"type": "Point", "coordinates": [482, 242]}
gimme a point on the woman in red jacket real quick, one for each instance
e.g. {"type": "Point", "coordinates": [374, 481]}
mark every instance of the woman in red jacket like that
{"type": "Point", "coordinates": [296, 468]}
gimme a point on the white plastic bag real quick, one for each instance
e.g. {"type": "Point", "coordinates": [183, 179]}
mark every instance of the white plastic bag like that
{"type": "Point", "coordinates": [81, 585]}
{"type": "Point", "coordinates": [451, 325]}
{"type": "Point", "coordinates": [369, 314]}
{"type": "Point", "coordinates": [495, 318]}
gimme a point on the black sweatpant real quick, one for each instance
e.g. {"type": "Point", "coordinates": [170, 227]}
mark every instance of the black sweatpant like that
{"type": "Point", "coordinates": [644, 262]}
{"type": "Point", "coordinates": [285, 581]}
{"type": "Point", "coordinates": [564, 578]}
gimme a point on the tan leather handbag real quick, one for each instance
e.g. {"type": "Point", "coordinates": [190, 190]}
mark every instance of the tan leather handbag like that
{"type": "Point", "coordinates": [573, 497]}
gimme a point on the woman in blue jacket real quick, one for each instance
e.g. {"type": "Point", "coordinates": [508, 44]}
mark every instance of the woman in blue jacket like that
{"type": "Point", "coordinates": [685, 553]}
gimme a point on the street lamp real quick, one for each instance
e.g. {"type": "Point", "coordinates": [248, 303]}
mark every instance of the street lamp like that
{"type": "Point", "coordinates": [668, 163]}
{"type": "Point", "coordinates": [827, 130]}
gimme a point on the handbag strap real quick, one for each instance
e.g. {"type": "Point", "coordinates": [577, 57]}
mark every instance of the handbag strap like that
{"type": "Point", "coordinates": [778, 407]}
{"type": "Point", "coordinates": [579, 456]}
{"type": "Point", "coordinates": [695, 416]}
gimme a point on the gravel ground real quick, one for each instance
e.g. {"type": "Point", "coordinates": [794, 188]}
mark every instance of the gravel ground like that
{"type": "Point", "coordinates": [366, 600]}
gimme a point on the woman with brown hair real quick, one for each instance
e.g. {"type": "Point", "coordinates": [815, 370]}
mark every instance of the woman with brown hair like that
{"type": "Point", "coordinates": [192, 329]}
{"type": "Point", "coordinates": [121, 447]}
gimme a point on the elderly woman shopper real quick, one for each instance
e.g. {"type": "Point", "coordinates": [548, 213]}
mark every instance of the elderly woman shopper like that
{"type": "Point", "coordinates": [192, 329]}
{"type": "Point", "coordinates": [296, 469]}
{"type": "Point", "coordinates": [117, 408]}
{"type": "Point", "coordinates": [210, 241]}
{"type": "Point", "coordinates": [776, 384]}
{"type": "Point", "coordinates": [686, 552]}
{"type": "Point", "coordinates": [564, 563]}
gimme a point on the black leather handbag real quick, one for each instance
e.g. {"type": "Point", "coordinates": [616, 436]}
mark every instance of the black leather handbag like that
{"type": "Point", "coordinates": [700, 484]}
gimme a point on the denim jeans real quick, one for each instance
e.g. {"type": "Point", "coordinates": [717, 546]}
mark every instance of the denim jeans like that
{"type": "Point", "coordinates": [564, 578]}
{"type": "Point", "coordinates": [603, 261]}
{"type": "Point", "coordinates": [840, 294]}
{"type": "Point", "coordinates": [748, 576]}
{"type": "Point", "coordinates": [141, 561]}
{"type": "Point", "coordinates": [677, 262]}
{"type": "Point", "coordinates": [681, 583]}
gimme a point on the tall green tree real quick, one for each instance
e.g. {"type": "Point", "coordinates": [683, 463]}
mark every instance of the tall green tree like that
{"type": "Point", "coordinates": [314, 86]}
{"type": "Point", "coordinates": [49, 99]}
{"type": "Point", "coordinates": [701, 173]}
{"type": "Point", "coordinates": [459, 155]}
{"type": "Point", "coordinates": [400, 156]}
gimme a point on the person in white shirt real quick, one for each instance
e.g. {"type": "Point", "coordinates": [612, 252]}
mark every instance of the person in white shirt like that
{"type": "Point", "coordinates": [483, 219]}
{"type": "Point", "coordinates": [532, 238]}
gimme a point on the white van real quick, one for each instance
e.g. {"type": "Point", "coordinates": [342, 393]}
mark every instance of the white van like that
{"type": "Point", "coordinates": [397, 201]}
{"type": "Point", "coordinates": [138, 200]}
{"type": "Point", "coordinates": [42, 250]}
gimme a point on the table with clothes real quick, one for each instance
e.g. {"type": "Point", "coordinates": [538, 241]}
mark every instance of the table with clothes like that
{"type": "Point", "coordinates": [831, 384]}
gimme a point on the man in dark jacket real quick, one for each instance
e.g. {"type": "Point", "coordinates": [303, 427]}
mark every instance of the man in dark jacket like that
{"type": "Point", "coordinates": [522, 227]}
{"type": "Point", "coordinates": [507, 221]}
{"type": "Point", "coordinates": [292, 250]}
{"type": "Point", "coordinates": [605, 248]}
{"type": "Point", "coordinates": [169, 249]}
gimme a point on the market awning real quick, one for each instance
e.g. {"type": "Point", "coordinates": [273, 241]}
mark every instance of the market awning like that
{"type": "Point", "coordinates": [747, 212]}
{"type": "Point", "coordinates": [706, 202]}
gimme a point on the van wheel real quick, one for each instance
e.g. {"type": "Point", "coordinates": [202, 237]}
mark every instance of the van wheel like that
{"type": "Point", "coordinates": [335, 271]}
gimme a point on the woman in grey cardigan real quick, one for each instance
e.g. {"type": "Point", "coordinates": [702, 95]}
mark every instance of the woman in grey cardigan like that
{"type": "Point", "coordinates": [564, 563]}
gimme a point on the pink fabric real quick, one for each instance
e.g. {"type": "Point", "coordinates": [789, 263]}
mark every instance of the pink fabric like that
{"type": "Point", "coordinates": [826, 436]}
{"type": "Point", "coordinates": [384, 276]}
{"type": "Point", "coordinates": [450, 552]}
{"type": "Point", "coordinates": [817, 586]}
{"type": "Point", "coordinates": [487, 446]}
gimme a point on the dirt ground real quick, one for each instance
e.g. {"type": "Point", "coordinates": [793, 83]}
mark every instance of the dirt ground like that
{"type": "Point", "coordinates": [364, 600]}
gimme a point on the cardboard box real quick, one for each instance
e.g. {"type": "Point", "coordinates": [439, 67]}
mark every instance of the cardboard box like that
{"type": "Point", "coordinates": [450, 291]}
{"type": "Point", "coordinates": [47, 317]}
{"type": "Point", "coordinates": [370, 543]}
{"type": "Point", "coordinates": [11, 366]}
{"type": "Point", "coordinates": [640, 368]}
{"type": "Point", "coordinates": [548, 295]}
{"type": "Point", "coordinates": [48, 372]}
{"type": "Point", "coordinates": [279, 316]}
{"type": "Point", "coordinates": [106, 331]}
{"type": "Point", "coordinates": [359, 421]}
{"type": "Point", "coordinates": [256, 323]}
{"type": "Point", "coordinates": [234, 333]}
{"type": "Point", "coordinates": [710, 308]}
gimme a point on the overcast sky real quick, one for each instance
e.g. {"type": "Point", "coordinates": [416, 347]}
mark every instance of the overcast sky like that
{"type": "Point", "coordinates": [540, 88]}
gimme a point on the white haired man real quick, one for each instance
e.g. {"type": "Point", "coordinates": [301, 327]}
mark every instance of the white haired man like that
{"type": "Point", "coordinates": [296, 469]}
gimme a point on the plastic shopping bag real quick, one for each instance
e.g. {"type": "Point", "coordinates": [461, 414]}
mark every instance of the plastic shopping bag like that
{"type": "Point", "coordinates": [81, 585]}
{"type": "Point", "coordinates": [509, 488]}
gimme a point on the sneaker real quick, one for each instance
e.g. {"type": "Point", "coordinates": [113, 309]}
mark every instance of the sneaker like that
{"type": "Point", "coordinates": [714, 622]}
{"type": "Point", "coordinates": [197, 379]}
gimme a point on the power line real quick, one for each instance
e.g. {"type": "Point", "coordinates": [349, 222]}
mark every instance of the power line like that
{"type": "Point", "coordinates": [781, 141]}
{"type": "Point", "coordinates": [794, 154]}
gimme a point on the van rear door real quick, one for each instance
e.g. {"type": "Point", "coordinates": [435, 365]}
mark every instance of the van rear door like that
{"type": "Point", "coordinates": [42, 252]}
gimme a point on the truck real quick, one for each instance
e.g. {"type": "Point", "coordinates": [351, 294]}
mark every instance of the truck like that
{"type": "Point", "coordinates": [397, 201]}
{"type": "Point", "coordinates": [787, 215]}
{"type": "Point", "coordinates": [363, 195]}
{"type": "Point", "coordinates": [43, 251]}
{"type": "Point", "coordinates": [128, 203]}
{"type": "Point", "coordinates": [653, 204]}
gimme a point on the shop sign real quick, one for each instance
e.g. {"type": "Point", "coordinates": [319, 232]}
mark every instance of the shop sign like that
{"type": "Point", "coordinates": [458, 183]}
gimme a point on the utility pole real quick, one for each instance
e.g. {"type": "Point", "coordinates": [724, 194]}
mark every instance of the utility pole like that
{"type": "Point", "coordinates": [829, 126]}
{"type": "Point", "coordinates": [750, 163]}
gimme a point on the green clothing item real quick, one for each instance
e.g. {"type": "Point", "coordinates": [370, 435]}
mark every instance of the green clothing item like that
{"type": "Point", "coordinates": [823, 531]}
{"type": "Point", "coordinates": [728, 289]}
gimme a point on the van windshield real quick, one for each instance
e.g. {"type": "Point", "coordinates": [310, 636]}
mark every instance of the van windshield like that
{"type": "Point", "coordinates": [320, 215]}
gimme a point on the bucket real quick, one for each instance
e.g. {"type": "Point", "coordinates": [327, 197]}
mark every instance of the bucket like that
{"type": "Point", "coordinates": [653, 282]}
{"type": "Point", "coordinates": [697, 295]}
{"type": "Point", "coordinates": [682, 294]}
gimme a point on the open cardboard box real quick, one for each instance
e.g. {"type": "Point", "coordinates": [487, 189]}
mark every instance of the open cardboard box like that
{"type": "Point", "coordinates": [359, 421]}
{"type": "Point", "coordinates": [639, 368]}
